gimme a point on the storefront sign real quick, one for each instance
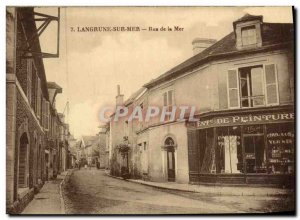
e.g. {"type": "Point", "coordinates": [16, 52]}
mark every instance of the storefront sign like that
{"type": "Point", "coordinates": [245, 119]}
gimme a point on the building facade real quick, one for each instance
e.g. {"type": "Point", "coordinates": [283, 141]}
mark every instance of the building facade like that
{"type": "Point", "coordinates": [242, 91]}
{"type": "Point", "coordinates": [30, 115]}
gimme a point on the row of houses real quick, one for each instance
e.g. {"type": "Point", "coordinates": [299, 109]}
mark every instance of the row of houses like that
{"type": "Point", "coordinates": [36, 134]}
{"type": "Point", "coordinates": [90, 150]}
{"type": "Point", "coordinates": [242, 88]}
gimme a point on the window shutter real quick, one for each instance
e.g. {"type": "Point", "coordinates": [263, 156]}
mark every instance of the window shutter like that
{"type": "Point", "coordinates": [233, 89]}
{"type": "Point", "coordinates": [170, 97]}
{"type": "Point", "coordinates": [165, 99]}
{"type": "Point", "coordinates": [271, 85]}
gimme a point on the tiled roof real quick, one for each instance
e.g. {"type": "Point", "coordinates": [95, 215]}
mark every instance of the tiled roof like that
{"type": "Point", "coordinates": [248, 17]}
{"type": "Point", "coordinates": [274, 35]}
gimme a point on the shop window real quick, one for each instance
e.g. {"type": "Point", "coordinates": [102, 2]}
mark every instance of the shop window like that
{"type": "Point", "coordinates": [281, 148]}
{"type": "Point", "coordinates": [255, 155]}
{"type": "Point", "coordinates": [255, 149]}
{"type": "Point", "coordinates": [209, 163]}
{"type": "Point", "coordinates": [252, 86]}
{"type": "Point", "coordinates": [229, 158]}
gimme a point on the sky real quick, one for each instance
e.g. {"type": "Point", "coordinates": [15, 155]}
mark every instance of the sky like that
{"type": "Point", "coordinates": [92, 64]}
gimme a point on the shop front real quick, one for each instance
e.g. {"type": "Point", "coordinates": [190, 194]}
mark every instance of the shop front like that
{"type": "Point", "coordinates": [243, 147]}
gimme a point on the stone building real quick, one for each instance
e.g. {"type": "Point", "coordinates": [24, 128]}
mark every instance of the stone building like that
{"type": "Point", "coordinates": [123, 148]}
{"type": "Point", "coordinates": [29, 111]}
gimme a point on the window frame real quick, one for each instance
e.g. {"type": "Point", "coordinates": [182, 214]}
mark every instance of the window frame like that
{"type": "Point", "coordinates": [264, 87]}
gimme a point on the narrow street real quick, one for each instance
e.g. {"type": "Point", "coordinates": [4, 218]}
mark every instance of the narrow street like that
{"type": "Point", "coordinates": [93, 192]}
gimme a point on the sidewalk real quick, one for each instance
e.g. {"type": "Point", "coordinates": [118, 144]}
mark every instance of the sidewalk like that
{"type": "Point", "coordinates": [216, 190]}
{"type": "Point", "coordinates": [49, 200]}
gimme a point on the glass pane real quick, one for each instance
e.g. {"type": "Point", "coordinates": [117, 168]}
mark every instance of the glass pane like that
{"type": "Point", "coordinates": [244, 87]}
{"type": "Point", "coordinates": [259, 101]}
{"type": "Point", "coordinates": [280, 139]}
{"type": "Point", "coordinates": [245, 102]}
{"type": "Point", "coordinates": [260, 154]}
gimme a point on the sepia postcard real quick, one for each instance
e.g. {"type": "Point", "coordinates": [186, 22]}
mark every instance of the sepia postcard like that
{"type": "Point", "coordinates": [150, 110]}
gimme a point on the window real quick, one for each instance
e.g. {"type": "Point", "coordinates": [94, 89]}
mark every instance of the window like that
{"type": "Point", "coordinates": [38, 111]}
{"type": "Point", "coordinates": [29, 78]}
{"type": "Point", "coordinates": [168, 98]}
{"type": "Point", "coordinates": [46, 113]}
{"type": "Point", "coordinates": [229, 157]}
{"type": "Point", "coordinates": [249, 35]}
{"type": "Point", "coordinates": [252, 86]}
{"type": "Point", "coordinates": [281, 148]}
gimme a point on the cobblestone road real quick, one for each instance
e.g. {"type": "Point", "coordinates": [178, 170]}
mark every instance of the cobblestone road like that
{"type": "Point", "coordinates": [93, 192]}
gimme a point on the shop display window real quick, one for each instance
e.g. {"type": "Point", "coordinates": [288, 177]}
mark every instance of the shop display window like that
{"type": "Point", "coordinates": [281, 144]}
{"type": "Point", "coordinates": [229, 157]}
{"type": "Point", "coordinates": [255, 149]}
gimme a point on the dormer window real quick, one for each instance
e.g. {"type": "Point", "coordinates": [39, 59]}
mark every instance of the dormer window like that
{"type": "Point", "coordinates": [248, 32]}
{"type": "Point", "coordinates": [249, 35]}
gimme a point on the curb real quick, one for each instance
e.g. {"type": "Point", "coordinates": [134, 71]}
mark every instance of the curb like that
{"type": "Point", "coordinates": [195, 191]}
{"type": "Point", "coordinates": [62, 203]}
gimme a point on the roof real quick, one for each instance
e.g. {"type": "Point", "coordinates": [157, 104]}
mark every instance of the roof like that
{"type": "Point", "coordinates": [134, 96]}
{"type": "Point", "coordinates": [204, 40]}
{"type": "Point", "coordinates": [248, 17]}
{"type": "Point", "coordinates": [54, 85]}
{"type": "Point", "coordinates": [274, 35]}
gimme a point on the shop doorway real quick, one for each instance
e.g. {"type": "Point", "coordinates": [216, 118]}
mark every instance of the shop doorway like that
{"type": "Point", "coordinates": [255, 153]}
{"type": "Point", "coordinates": [170, 146]}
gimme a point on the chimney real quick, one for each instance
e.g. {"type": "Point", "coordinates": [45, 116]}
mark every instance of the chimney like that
{"type": "Point", "coordinates": [119, 97]}
{"type": "Point", "coordinates": [200, 44]}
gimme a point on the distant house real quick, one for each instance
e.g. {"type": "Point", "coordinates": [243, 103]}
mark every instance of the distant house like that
{"type": "Point", "coordinates": [89, 146]}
